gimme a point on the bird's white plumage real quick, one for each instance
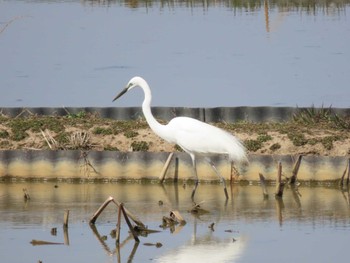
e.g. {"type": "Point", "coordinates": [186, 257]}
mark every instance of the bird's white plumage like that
{"type": "Point", "coordinates": [194, 136]}
{"type": "Point", "coordinates": [198, 137]}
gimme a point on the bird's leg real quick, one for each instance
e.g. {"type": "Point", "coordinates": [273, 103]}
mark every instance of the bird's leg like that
{"type": "Point", "coordinates": [193, 157]}
{"type": "Point", "coordinates": [219, 175]}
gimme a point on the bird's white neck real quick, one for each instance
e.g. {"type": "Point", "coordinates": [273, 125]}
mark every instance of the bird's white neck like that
{"type": "Point", "coordinates": [157, 128]}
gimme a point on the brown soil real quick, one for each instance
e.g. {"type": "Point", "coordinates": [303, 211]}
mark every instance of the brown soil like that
{"type": "Point", "coordinates": [89, 132]}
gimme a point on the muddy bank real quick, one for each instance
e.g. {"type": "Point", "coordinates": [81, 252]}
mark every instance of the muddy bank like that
{"type": "Point", "coordinates": [117, 144]}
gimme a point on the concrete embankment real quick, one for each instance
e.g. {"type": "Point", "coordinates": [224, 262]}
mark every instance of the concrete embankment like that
{"type": "Point", "coordinates": [114, 166]}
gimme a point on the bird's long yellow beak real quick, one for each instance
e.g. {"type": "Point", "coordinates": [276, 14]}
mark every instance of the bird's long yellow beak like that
{"type": "Point", "coordinates": [120, 94]}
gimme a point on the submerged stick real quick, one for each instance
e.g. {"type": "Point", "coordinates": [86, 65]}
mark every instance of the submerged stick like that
{"type": "Point", "coordinates": [26, 195]}
{"type": "Point", "coordinates": [348, 178]}
{"type": "Point", "coordinates": [175, 215]}
{"type": "Point", "coordinates": [103, 206]}
{"type": "Point", "coordinates": [344, 173]}
{"type": "Point", "coordinates": [234, 174]}
{"type": "Point", "coordinates": [263, 185]}
{"type": "Point", "coordinates": [279, 183]}
{"type": "Point", "coordinates": [121, 207]}
{"type": "Point", "coordinates": [35, 242]}
{"type": "Point", "coordinates": [165, 168]}
{"type": "Point", "coordinates": [66, 236]}
{"type": "Point", "coordinates": [117, 234]}
{"type": "Point", "coordinates": [65, 219]}
{"type": "Point", "coordinates": [100, 209]}
{"type": "Point", "coordinates": [295, 171]}
{"type": "Point", "coordinates": [132, 216]}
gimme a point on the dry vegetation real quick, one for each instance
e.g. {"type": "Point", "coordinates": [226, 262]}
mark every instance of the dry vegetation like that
{"type": "Point", "coordinates": [312, 132]}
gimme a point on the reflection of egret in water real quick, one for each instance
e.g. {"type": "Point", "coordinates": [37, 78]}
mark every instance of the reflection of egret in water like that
{"type": "Point", "coordinates": [206, 249]}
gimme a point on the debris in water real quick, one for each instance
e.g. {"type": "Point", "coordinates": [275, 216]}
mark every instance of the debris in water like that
{"type": "Point", "coordinates": [279, 183]}
{"type": "Point", "coordinates": [65, 219]}
{"type": "Point", "coordinates": [177, 217]}
{"type": "Point", "coordinates": [263, 185]}
{"type": "Point", "coordinates": [196, 209]}
{"type": "Point", "coordinates": [54, 231]}
{"type": "Point", "coordinates": [26, 195]}
{"type": "Point", "coordinates": [35, 242]}
{"type": "Point", "coordinates": [344, 182]}
{"type": "Point", "coordinates": [211, 226]}
{"type": "Point", "coordinates": [165, 168]}
{"type": "Point", "coordinates": [295, 171]}
{"type": "Point", "coordinates": [157, 245]}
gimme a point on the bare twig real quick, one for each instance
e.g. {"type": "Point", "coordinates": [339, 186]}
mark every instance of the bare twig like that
{"type": "Point", "coordinates": [26, 195]}
{"type": "Point", "coordinates": [65, 219]}
{"type": "Point", "coordinates": [87, 164]}
{"type": "Point", "coordinates": [295, 171]}
{"type": "Point", "coordinates": [51, 142]}
{"type": "Point", "coordinates": [117, 234]}
{"type": "Point", "coordinates": [132, 216]}
{"type": "Point", "coordinates": [24, 111]}
{"type": "Point", "coordinates": [103, 206]}
{"type": "Point", "coordinates": [100, 210]}
{"type": "Point", "coordinates": [347, 179]}
{"type": "Point", "coordinates": [177, 217]}
{"type": "Point", "coordinates": [9, 22]}
{"type": "Point", "coordinates": [234, 173]}
{"type": "Point", "coordinates": [263, 185]}
{"type": "Point", "coordinates": [121, 207]}
{"type": "Point", "coordinates": [279, 183]}
{"type": "Point", "coordinates": [347, 169]}
{"type": "Point", "coordinates": [35, 242]}
{"type": "Point", "coordinates": [165, 168]}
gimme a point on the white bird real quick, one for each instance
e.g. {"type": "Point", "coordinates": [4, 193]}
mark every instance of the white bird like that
{"type": "Point", "coordinates": [193, 136]}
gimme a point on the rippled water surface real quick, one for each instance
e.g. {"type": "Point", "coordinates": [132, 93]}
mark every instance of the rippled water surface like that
{"type": "Point", "coordinates": [308, 225]}
{"type": "Point", "coordinates": [193, 53]}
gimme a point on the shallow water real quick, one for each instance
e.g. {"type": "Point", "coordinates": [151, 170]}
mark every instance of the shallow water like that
{"type": "Point", "coordinates": [311, 225]}
{"type": "Point", "coordinates": [193, 53]}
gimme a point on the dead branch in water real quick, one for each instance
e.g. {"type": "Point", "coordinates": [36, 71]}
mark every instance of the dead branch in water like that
{"type": "Point", "coordinates": [35, 242]}
{"type": "Point", "coordinates": [87, 164]}
{"type": "Point", "coordinates": [263, 185]}
{"type": "Point", "coordinates": [165, 168]}
{"type": "Point", "coordinates": [132, 231]}
{"type": "Point", "coordinates": [10, 22]}
{"type": "Point", "coordinates": [295, 171]}
{"type": "Point", "coordinates": [26, 195]}
{"type": "Point", "coordinates": [346, 172]}
{"type": "Point", "coordinates": [65, 219]}
{"type": "Point", "coordinates": [279, 183]}
{"type": "Point", "coordinates": [103, 206]}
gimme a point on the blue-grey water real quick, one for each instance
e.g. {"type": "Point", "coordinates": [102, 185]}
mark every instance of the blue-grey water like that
{"type": "Point", "coordinates": [192, 53]}
{"type": "Point", "coordinates": [308, 225]}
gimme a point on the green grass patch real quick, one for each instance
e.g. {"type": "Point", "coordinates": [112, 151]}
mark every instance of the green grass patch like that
{"type": "Point", "coordinates": [102, 131]}
{"type": "Point", "coordinates": [130, 134]}
{"type": "Point", "coordinates": [4, 134]}
{"type": "Point", "coordinates": [253, 145]}
{"type": "Point", "coordinates": [140, 146]}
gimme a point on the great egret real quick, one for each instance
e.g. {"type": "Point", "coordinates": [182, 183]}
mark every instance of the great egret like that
{"type": "Point", "coordinates": [193, 136]}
